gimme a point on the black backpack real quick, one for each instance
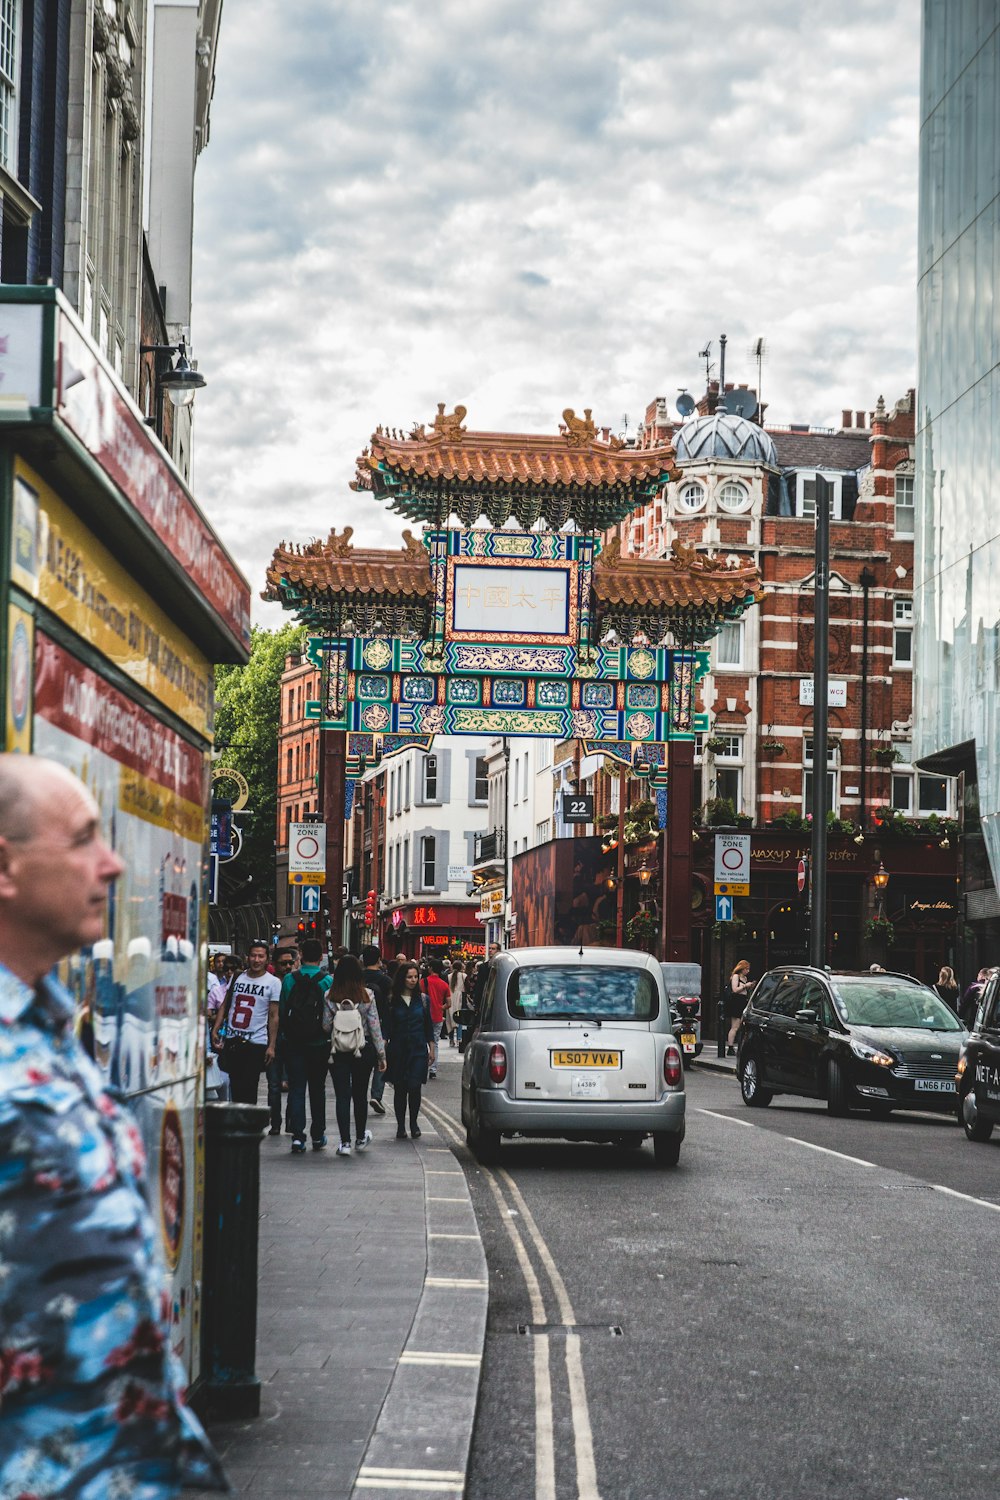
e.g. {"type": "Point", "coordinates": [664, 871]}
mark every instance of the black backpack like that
{"type": "Point", "coordinates": [303, 1018]}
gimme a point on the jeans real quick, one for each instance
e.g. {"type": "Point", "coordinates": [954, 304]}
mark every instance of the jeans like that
{"type": "Point", "coordinates": [437, 1045]}
{"type": "Point", "coordinates": [350, 1085]}
{"type": "Point", "coordinates": [246, 1063]}
{"type": "Point", "coordinates": [306, 1069]}
{"type": "Point", "coordinates": [275, 1074]}
{"type": "Point", "coordinates": [404, 1098]}
{"type": "Point", "coordinates": [378, 1085]}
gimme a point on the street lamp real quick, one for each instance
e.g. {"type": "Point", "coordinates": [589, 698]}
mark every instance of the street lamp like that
{"type": "Point", "coordinates": [179, 381]}
{"type": "Point", "coordinates": [645, 874]}
{"type": "Point", "coordinates": [880, 880]}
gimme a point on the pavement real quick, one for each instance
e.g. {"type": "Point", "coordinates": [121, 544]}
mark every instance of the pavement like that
{"type": "Point", "coordinates": [709, 1060]}
{"type": "Point", "coordinates": [373, 1293]}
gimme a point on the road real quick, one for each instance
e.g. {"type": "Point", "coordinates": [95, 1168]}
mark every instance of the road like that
{"type": "Point", "coordinates": [805, 1307]}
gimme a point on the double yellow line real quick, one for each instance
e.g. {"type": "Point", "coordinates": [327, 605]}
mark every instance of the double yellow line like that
{"type": "Point", "coordinates": [500, 1183]}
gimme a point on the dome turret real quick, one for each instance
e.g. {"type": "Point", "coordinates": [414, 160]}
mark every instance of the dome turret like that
{"type": "Point", "coordinates": [724, 436]}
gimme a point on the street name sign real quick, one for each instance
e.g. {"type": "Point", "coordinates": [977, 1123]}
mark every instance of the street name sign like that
{"type": "Point", "coordinates": [577, 809]}
{"type": "Point", "coordinates": [732, 864]}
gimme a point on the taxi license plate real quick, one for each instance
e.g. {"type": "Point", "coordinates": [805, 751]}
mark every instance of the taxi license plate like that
{"type": "Point", "coordinates": [567, 1059]}
{"type": "Point", "coordinates": [934, 1085]}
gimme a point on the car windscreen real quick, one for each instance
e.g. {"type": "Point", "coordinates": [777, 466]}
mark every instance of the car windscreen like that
{"type": "Point", "coordinates": [875, 1001]}
{"type": "Point", "coordinates": [592, 992]}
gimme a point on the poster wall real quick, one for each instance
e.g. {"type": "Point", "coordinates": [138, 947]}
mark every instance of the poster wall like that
{"type": "Point", "coordinates": [138, 987]}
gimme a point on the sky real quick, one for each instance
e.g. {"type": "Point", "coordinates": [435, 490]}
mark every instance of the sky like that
{"type": "Point", "coordinates": [524, 205]}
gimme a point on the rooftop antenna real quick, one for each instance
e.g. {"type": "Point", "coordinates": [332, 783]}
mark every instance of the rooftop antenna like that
{"type": "Point", "coordinates": [686, 403]}
{"type": "Point", "coordinates": [758, 352]}
{"type": "Point", "coordinates": [722, 362]}
{"type": "Point", "coordinates": [706, 355]}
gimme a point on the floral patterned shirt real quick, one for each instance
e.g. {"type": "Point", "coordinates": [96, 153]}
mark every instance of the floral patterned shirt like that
{"type": "Point", "coordinates": [90, 1392]}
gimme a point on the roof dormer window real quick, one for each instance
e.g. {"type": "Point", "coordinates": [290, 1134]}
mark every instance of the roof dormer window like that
{"type": "Point", "coordinates": [691, 497]}
{"type": "Point", "coordinates": [734, 497]}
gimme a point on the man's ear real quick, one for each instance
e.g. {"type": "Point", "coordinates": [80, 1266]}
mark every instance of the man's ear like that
{"type": "Point", "coordinates": [8, 883]}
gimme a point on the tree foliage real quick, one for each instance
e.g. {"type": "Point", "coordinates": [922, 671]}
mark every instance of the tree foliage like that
{"type": "Point", "coordinates": [247, 722]}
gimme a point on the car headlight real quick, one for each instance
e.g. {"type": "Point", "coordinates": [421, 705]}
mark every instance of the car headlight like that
{"type": "Point", "coordinates": [962, 1064]}
{"type": "Point", "coordinates": [872, 1054]}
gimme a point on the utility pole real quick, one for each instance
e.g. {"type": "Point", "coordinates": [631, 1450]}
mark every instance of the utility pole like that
{"type": "Point", "coordinates": [821, 666]}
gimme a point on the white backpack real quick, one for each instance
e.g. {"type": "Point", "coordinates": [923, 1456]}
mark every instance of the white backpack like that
{"type": "Point", "coordinates": [348, 1029]}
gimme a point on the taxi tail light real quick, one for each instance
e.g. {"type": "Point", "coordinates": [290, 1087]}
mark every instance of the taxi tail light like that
{"type": "Point", "coordinates": [673, 1068]}
{"type": "Point", "coordinates": [498, 1063]}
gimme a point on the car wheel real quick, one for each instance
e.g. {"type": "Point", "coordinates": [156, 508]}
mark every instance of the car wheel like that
{"type": "Point", "coordinates": [484, 1144]}
{"type": "Point", "coordinates": [666, 1148]}
{"type": "Point", "coordinates": [753, 1095]}
{"type": "Point", "coordinates": [836, 1089]}
{"type": "Point", "coordinates": [975, 1127]}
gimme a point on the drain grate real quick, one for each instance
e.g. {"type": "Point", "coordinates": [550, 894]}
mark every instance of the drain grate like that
{"type": "Point", "coordinates": [722, 1262]}
{"type": "Point", "coordinates": [528, 1330]}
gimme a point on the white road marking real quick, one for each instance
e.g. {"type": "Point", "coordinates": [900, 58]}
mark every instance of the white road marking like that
{"type": "Point", "coordinates": [858, 1161]}
{"type": "Point", "coordinates": [459, 1282]}
{"type": "Point", "coordinates": [438, 1235]}
{"type": "Point", "coordinates": [966, 1197]}
{"type": "Point", "coordinates": [444, 1200]}
{"type": "Point", "coordinates": [428, 1357]}
{"type": "Point", "coordinates": [586, 1470]}
{"type": "Point", "coordinates": [729, 1119]}
{"type": "Point", "coordinates": [545, 1448]}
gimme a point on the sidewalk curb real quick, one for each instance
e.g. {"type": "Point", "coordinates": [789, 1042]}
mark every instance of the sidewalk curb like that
{"type": "Point", "coordinates": [424, 1429]}
{"type": "Point", "coordinates": [716, 1065]}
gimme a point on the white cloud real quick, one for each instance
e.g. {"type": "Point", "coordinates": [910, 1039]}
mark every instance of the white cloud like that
{"type": "Point", "coordinates": [522, 206]}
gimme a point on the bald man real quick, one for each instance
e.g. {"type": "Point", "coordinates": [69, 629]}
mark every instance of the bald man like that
{"type": "Point", "coordinates": [89, 1390]}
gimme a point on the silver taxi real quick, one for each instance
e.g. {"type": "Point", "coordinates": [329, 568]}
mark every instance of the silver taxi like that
{"type": "Point", "coordinates": [575, 1044]}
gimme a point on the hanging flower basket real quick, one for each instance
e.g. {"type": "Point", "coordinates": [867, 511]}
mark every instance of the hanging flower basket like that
{"type": "Point", "coordinates": [772, 748]}
{"type": "Point", "coordinates": [886, 755]}
{"type": "Point", "coordinates": [715, 743]}
{"type": "Point", "coordinates": [641, 929]}
{"type": "Point", "coordinates": [880, 930]}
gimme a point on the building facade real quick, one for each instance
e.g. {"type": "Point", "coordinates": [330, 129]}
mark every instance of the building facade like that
{"type": "Point", "coordinates": [957, 558]}
{"type": "Point", "coordinates": [298, 783]}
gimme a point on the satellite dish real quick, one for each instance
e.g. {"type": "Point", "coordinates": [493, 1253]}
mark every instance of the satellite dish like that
{"type": "Point", "coordinates": [741, 403]}
{"type": "Point", "coordinates": [685, 403]}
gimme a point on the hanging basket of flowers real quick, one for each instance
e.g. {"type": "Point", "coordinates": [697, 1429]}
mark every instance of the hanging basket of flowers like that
{"type": "Point", "coordinates": [772, 748]}
{"type": "Point", "coordinates": [880, 930]}
{"type": "Point", "coordinates": [886, 755]}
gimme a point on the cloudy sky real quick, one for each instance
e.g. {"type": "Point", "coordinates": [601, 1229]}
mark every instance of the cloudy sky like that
{"type": "Point", "coordinates": [523, 205]}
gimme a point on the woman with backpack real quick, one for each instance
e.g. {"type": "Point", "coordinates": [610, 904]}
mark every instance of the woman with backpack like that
{"type": "Point", "coordinates": [410, 1038]}
{"type": "Point", "coordinates": [353, 1024]}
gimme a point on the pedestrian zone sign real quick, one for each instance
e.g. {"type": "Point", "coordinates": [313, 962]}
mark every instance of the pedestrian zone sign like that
{"type": "Point", "coordinates": [307, 851]}
{"type": "Point", "coordinates": [732, 864]}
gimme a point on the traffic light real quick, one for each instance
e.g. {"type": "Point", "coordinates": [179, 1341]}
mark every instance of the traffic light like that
{"type": "Point", "coordinates": [371, 904]}
{"type": "Point", "coordinates": [301, 928]}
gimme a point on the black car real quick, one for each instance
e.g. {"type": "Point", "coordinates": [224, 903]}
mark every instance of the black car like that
{"type": "Point", "coordinates": [877, 1041]}
{"type": "Point", "coordinates": [979, 1068]}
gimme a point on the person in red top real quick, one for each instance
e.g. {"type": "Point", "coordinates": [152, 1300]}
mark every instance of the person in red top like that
{"type": "Point", "coordinates": [439, 996]}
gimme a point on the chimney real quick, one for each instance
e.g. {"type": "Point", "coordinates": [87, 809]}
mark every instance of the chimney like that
{"type": "Point", "coordinates": [846, 422]}
{"type": "Point", "coordinates": [860, 422]}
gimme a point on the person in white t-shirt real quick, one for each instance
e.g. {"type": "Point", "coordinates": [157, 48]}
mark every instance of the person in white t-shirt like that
{"type": "Point", "coordinates": [250, 1018]}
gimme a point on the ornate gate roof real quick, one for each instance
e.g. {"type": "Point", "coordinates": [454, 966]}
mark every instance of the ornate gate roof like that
{"type": "Point", "coordinates": [571, 475]}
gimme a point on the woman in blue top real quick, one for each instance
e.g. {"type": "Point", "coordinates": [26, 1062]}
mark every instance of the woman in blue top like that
{"type": "Point", "coordinates": [410, 1039]}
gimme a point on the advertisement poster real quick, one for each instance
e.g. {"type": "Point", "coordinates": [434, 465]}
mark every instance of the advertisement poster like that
{"type": "Point", "coordinates": [20, 655]}
{"type": "Point", "coordinates": [138, 988]}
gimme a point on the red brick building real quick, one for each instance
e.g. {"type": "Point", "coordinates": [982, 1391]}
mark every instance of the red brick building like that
{"type": "Point", "coordinates": [298, 773]}
{"type": "Point", "coordinates": [750, 490]}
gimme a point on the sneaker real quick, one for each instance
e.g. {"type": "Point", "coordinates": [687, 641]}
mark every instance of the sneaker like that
{"type": "Point", "coordinates": [401, 1135]}
{"type": "Point", "coordinates": [363, 1141]}
{"type": "Point", "coordinates": [274, 1130]}
{"type": "Point", "coordinates": [433, 1073]}
{"type": "Point", "coordinates": [320, 1145]}
{"type": "Point", "coordinates": [377, 1106]}
{"type": "Point", "coordinates": [415, 1133]}
{"type": "Point", "coordinates": [344, 1149]}
{"type": "Point", "coordinates": [298, 1147]}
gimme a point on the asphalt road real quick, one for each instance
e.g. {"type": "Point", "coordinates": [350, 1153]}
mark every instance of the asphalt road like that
{"type": "Point", "coordinates": [790, 1324]}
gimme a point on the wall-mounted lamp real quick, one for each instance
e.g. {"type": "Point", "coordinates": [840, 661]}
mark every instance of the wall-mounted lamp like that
{"type": "Point", "coordinates": [179, 381]}
{"type": "Point", "coordinates": [645, 874]}
{"type": "Point", "coordinates": [611, 883]}
{"type": "Point", "coordinates": [881, 877]}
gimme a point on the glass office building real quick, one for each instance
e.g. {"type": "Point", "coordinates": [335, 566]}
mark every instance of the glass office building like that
{"type": "Point", "coordinates": [957, 564]}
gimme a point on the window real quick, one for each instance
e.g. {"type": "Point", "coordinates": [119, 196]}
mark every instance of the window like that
{"type": "Point", "coordinates": [902, 635]}
{"type": "Point", "coordinates": [729, 645]}
{"type": "Point", "coordinates": [805, 494]}
{"type": "Point", "coordinates": [902, 793]}
{"type": "Point", "coordinates": [544, 755]}
{"type": "Point", "coordinates": [831, 788]}
{"type": "Point", "coordinates": [427, 859]}
{"type": "Point", "coordinates": [832, 749]}
{"type": "Point", "coordinates": [691, 497]}
{"type": "Point", "coordinates": [729, 783]}
{"type": "Point", "coordinates": [543, 831]}
{"type": "Point", "coordinates": [904, 504]}
{"type": "Point", "coordinates": [734, 497]}
{"type": "Point", "coordinates": [732, 748]}
{"type": "Point", "coordinates": [430, 778]}
{"type": "Point", "coordinates": [932, 794]}
{"type": "Point", "coordinates": [480, 790]}
{"type": "Point", "coordinates": [308, 759]}
{"type": "Point", "coordinates": [406, 793]}
{"type": "Point", "coordinates": [288, 765]}
{"type": "Point", "coordinates": [406, 867]}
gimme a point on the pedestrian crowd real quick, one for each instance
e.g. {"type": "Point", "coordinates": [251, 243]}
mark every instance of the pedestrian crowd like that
{"type": "Point", "coordinates": [287, 1015]}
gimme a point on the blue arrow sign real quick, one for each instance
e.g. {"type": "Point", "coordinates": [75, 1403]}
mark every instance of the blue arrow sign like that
{"type": "Point", "coordinates": [723, 908]}
{"type": "Point", "coordinates": [310, 898]}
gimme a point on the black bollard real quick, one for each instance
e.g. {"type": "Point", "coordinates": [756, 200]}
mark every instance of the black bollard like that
{"type": "Point", "coordinates": [229, 1385]}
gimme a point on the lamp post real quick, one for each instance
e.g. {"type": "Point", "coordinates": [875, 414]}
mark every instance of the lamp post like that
{"type": "Point", "coordinates": [180, 381]}
{"type": "Point", "coordinates": [880, 880]}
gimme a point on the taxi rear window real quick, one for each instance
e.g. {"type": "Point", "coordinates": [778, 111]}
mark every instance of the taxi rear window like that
{"type": "Point", "coordinates": [574, 992]}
